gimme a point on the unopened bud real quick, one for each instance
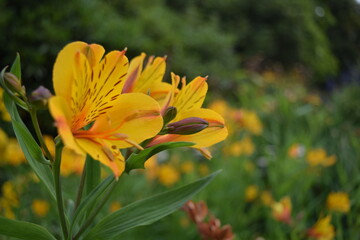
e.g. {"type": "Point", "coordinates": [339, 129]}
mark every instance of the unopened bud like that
{"type": "Point", "coordinates": [187, 126]}
{"type": "Point", "coordinates": [40, 96]}
{"type": "Point", "coordinates": [170, 114]}
{"type": "Point", "coordinates": [14, 84]}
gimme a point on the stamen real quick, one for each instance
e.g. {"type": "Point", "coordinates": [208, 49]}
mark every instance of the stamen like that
{"type": "Point", "coordinates": [134, 144]}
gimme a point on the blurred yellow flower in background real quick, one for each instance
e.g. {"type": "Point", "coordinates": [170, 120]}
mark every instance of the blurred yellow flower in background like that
{"type": "Point", "coordinates": [338, 202]}
{"type": "Point", "coordinates": [168, 175]}
{"type": "Point", "coordinates": [243, 147]}
{"type": "Point", "coordinates": [9, 199]}
{"type": "Point", "coordinates": [281, 211]}
{"type": "Point", "coordinates": [114, 206]}
{"type": "Point", "coordinates": [316, 157]}
{"type": "Point", "coordinates": [13, 153]}
{"type": "Point", "coordinates": [266, 198]}
{"type": "Point", "coordinates": [3, 112]}
{"type": "Point", "coordinates": [251, 193]}
{"type": "Point", "coordinates": [322, 229]}
{"type": "Point", "coordinates": [250, 121]}
{"type": "Point", "coordinates": [187, 167]}
{"type": "Point", "coordinates": [40, 207]}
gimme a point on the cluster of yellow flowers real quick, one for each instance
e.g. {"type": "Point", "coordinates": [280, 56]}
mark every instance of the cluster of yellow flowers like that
{"type": "Point", "coordinates": [239, 122]}
{"type": "Point", "coordinates": [9, 200]}
{"type": "Point", "coordinates": [170, 172]}
{"type": "Point", "coordinates": [106, 103]}
{"type": "Point", "coordinates": [318, 157]}
{"type": "Point", "coordinates": [11, 153]}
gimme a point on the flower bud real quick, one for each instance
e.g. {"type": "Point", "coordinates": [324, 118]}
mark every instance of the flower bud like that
{"type": "Point", "coordinates": [14, 84]}
{"type": "Point", "coordinates": [187, 126]}
{"type": "Point", "coordinates": [40, 96]}
{"type": "Point", "coordinates": [170, 114]}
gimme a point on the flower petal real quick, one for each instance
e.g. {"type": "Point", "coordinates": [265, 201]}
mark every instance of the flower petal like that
{"type": "Point", "coordinates": [134, 114]}
{"type": "Point", "coordinates": [63, 69]}
{"type": "Point", "coordinates": [135, 69]}
{"type": "Point", "coordinates": [60, 111]}
{"type": "Point", "coordinates": [191, 96]}
{"type": "Point", "coordinates": [153, 73]}
{"type": "Point", "coordinates": [107, 155]}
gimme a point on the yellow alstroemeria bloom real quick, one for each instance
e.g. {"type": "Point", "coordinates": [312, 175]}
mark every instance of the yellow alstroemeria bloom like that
{"type": "Point", "coordinates": [148, 79]}
{"type": "Point", "coordinates": [188, 102]}
{"type": "Point", "coordinates": [88, 91]}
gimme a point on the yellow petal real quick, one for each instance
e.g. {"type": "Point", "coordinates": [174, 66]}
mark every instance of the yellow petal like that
{"type": "Point", "coordinates": [71, 162]}
{"type": "Point", "coordinates": [97, 89]}
{"type": "Point", "coordinates": [135, 69]}
{"type": "Point", "coordinates": [63, 69]}
{"type": "Point", "coordinates": [191, 96]}
{"type": "Point", "coordinates": [135, 114]}
{"type": "Point", "coordinates": [214, 133]}
{"type": "Point", "coordinates": [153, 73]}
{"type": "Point", "coordinates": [104, 153]}
{"type": "Point", "coordinates": [62, 115]}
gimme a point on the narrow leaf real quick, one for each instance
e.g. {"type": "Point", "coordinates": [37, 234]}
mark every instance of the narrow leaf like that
{"type": "Point", "coordinates": [137, 160]}
{"type": "Point", "coordinates": [93, 174]}
{"type": "Point", "coordinates": [90, 201]}
{"type": "Point", "coordinates": [146, 211]}
{"type": "Point", "coordinates": [16, 67]}
{"type": "Point", "coordinates": [31, 149]}
{"type": "Point", "coordinates": [23, 230]}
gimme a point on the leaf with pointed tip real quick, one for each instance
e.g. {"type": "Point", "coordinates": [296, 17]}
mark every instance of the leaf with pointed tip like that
{"type": "Point", "coordinates": [23, 230]}
{"type": "Point", "coordinates": [16, 67]}
{"type": "Point", "coordinates": [146, 211]}
{"type": "Point", "coordinates": [31, 149]}
{"type": "Point", "coordinates": [137, 160]}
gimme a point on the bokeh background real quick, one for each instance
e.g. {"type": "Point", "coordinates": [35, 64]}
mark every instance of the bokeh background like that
{"type": "Point", "coordinates": [285, 74]}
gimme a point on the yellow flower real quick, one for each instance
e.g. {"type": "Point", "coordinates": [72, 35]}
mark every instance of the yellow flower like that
{"type": "Point", "coordinates": [168, 175]}
{"type": "Point", "coordinates": [151, 167]}
{"type": "Point", "coordinates": [322, 230]}
{"type": "Point", "coordinates": [4, 113]}
{"type": "Point", "coordinates": [114, 206]}
{"type": "Point", "coordinates": [251, 193]}
{"type": "Point", "coordinates": [91, 114]}
{"type": "Point", "coordinates": [249, 121]}
{"type": "Point", "coordinates": [266, 198]}
{"type": "Point", "coordinates": [13, 153]}
{"type": "Point", "coordinates": [187, 167]}
{"type": "Point", "coordinates": [338, 202]}
{"type": "Point", "coordinates": [318, 157]}
{"type": "Point", "coordinates": [188, 102]}
{"type": "Point", "coordinates": [40, 207]}
{"type": "Point", "coordinates": [281, 211]}
{"type": "Point", "coordinates": [203, 169]}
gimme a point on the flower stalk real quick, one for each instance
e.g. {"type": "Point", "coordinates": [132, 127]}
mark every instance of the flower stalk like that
{"type": "Point", "coordinates": [59, 199]}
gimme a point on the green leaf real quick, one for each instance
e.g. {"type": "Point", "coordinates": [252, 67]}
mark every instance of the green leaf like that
{"type": "Point", "coordinates": [137, 160]}
{"type": "Point", "coordinates": [93, 174]}
{"type": "Point", "coordinates": [31, 149]}
{"type": "Point", "coordinates": [146, 211]}
{"type": "Point", "coordinates": [23, 230]}
{"type": "Point", "coordinates": [16, 67]}
{"type": "Point", "coordinates": [90, 201]}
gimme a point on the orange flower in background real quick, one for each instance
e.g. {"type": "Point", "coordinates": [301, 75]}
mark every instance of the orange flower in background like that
{"type": "Point", "coordinates": [91, 114]}
{"type": "Point", "coordinates": [281, 211]}
{"type": "Point", "coordinates": [322, 229]}
{"type": "Point", "coordinates": [296, 150]}
{"type": "Point", "coordinates": [338, 202]}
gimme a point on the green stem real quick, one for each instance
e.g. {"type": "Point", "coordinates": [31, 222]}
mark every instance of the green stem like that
{"type": "Point", "coordinates": [80, 189]}
{"type": "Point", "coordinates": [93, 214]}
{"type": "Point", "coordinates": [35, 122]}
{"type": "Point", "coordinates": [59, 199]}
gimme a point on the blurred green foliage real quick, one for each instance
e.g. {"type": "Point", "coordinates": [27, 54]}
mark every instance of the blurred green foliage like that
{"type": "Point", "coordinates": [213, 38]}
